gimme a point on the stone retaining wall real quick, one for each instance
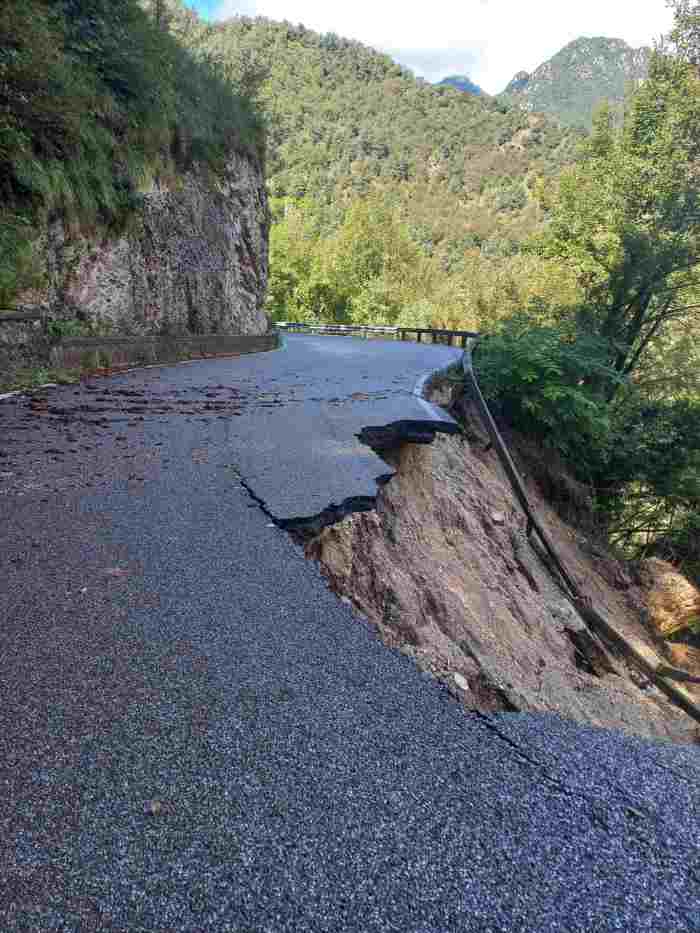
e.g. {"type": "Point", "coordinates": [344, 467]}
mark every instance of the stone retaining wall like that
{"type": "Point", "coordinates": [120, 352]}
{"type": "Point", "coordinates": [22, 344]}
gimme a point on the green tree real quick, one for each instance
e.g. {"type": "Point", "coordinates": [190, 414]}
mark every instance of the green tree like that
{"type": "Point", "coordinates": [538, 376]}
{"type": "Point", "coordinates": [626, 217]}
{"type": "Point", "coordinates": [684, 39]}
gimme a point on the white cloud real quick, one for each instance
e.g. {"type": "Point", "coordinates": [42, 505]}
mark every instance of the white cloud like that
{"type": "Point", "coordinates": [488, 39]}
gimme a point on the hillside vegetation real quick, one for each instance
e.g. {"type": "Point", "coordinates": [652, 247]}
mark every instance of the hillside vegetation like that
{"type": "Point", "coordinates": [342, 115]}
{"type": "Point", "coordinates": [397, 202]}
{"type": "Point", "coordinates": [96, 99]}
{"type": "Point", "coordinates": [571, 85]}
{"type": "Point", "coordinates": [391, 196]}
{"type": "Point", "coordinates": [613, 381]}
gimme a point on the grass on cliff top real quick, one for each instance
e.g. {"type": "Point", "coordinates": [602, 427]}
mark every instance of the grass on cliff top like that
{"type": "Point", "coordinates": [97, 98]}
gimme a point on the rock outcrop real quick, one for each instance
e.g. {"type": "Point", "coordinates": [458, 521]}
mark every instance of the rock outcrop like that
{"type": "Point", "coordinates": [193, 259]}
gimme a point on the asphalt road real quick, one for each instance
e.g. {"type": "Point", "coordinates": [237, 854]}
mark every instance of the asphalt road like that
{"type": "Point", "coordinates": [195, 734]}
{"type": "Point", "coordinates": [297, 446]}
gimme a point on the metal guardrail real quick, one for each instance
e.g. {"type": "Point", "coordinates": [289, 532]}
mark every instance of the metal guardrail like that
{"type": "Point", "coordinates": [367, 330]}
{"type": "Point", "coordinates": [663, 675]}
{"type": "Point", "coordinates": [517, 485]}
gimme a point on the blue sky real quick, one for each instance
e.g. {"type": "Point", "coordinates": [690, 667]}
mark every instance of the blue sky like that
{"type": "Point", "coordinates": [487, 39]}
{"type": "Point", "coordinates": [205, 7]}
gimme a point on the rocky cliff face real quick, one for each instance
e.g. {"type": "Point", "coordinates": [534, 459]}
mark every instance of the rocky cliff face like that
{"type": "Point", "coordinates": [193, 260]}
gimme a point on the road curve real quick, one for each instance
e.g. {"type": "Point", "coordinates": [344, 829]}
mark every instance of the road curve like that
{"type": "Point", "coordinates": [196, 735]}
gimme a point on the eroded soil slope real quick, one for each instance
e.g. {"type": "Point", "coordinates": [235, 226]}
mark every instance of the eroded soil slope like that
{"type": "Point", "coordinates": [444, 569]}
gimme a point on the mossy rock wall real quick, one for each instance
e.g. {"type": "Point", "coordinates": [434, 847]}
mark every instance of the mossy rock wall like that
{"type": "Point", "coordinates": [193, 260]}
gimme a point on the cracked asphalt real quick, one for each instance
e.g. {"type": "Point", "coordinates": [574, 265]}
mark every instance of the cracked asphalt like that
{"type": "Point", "coordinates": [195, 734]}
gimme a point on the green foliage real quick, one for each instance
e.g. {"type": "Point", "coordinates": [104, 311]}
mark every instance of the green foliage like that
{"type": "Point", "coordinates": [539, 377]}
{"type": "Point", "coordinates": [625, 219]}
{"type": "Point", "coordinates": [342, 117]}
{"type": "Point", "coordinates": [388, 258]}
{"type": "Point", "coordinates": [655, 464]}
{"type": "Point", "coordinates": [57, 330]}
{"type": "Point", "coordinates": [670, 368]}
{"type": "Point", "coordinates": [363, 271]}
{"type": "Point", "coordinates": [640, 457]}
{"type": "Point", "coordinates": [435, 173]}
{"type": "Point", "coordinates": [33, 377]}
{"type": "Point", "coordinates": [511, 198]}
{"type": "Point", "coordinates": [95, 100]}
{"type": "Point", "coordinates": [684, 39]}
{"type": "Point", "coordinates": [16, 256]}
{"type": "Point", "coordinates": [658, 446]}
{"type": "Point", "coordinates": [610, 378]}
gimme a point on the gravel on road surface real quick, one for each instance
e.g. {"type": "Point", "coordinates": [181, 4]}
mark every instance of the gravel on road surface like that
{"type": "Point", "coordinates": [196, 734]}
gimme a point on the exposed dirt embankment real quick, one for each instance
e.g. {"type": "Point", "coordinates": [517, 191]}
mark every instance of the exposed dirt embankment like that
{"type": "Point", "coordinates": [445, 570]}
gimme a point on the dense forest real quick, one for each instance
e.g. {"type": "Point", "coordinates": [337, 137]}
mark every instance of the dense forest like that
{"type": "Point", "coordinates": [611, 378]}
{"type": "Point", "coordinates": [394, 200]}
{"type": "Point", "coordinates": [342, 116]}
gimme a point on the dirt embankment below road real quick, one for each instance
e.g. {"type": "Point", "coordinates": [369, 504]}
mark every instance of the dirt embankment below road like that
{"type": "Point", "coordinates": [445, 571]}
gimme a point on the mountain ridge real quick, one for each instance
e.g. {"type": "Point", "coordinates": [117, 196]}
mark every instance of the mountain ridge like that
{"type": "Point", "coordinates": [571, 85]}
{"type": "Point", "coordinates": [342, 115]}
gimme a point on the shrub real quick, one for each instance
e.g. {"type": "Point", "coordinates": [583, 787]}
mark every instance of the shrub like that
{"type": "Point", "coordinates": [57, 330]}
{"type": "Point", "coordinates": [547, 382]}
{"type": "Point", "coordinates": [18, 268]}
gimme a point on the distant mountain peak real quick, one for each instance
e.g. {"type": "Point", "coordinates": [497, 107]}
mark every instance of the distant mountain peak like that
{"type": "Point", "coordinates": [518, 83]}
{"type": "Point", "coordinates": [462, 83]}
{"type": "Point", "coordinates": [573, 82]}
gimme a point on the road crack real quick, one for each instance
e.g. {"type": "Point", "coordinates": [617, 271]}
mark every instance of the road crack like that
{"type": "Point", "coordinates": [304, 527]}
